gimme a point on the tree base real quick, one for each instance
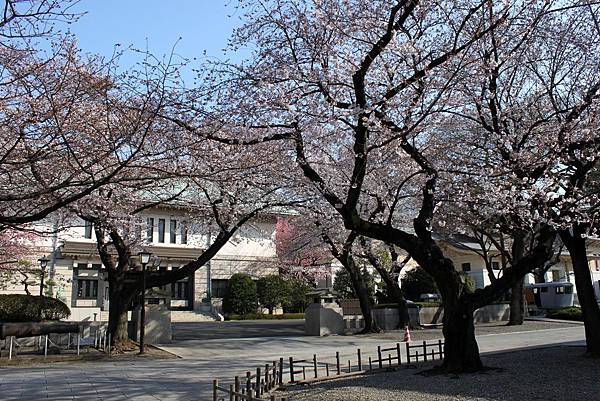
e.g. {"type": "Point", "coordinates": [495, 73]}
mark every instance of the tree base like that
{"type": "Point", "coordinates": [372, 330]}
{"type": "Point", "coordinates": [124, 346]}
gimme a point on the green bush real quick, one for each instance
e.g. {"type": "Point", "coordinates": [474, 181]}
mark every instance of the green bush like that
{"type": "Point", "coordinates": [342, 284]}
{"type": "Point", "coordinates": [297, 290]}
{"type": "Point", "coordinates": [29, 308]}
{"type": "Point", "coordinates": [392, 305]}
{"type": "Point", "coordinates": [416, 282]}
{"type": "Point", "coordinates": [428, 304]}
{"type": "Point", "coordinates": [240, 297]}
{"type": "Point", "coordinates": [568, 313]}
{"type": "Point", "coordinates": [264, 316]}
{"type": "Point", "coordinates": [272, 291]}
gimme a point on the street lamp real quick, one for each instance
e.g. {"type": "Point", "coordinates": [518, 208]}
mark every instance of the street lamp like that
{"type": "Point", "coordinates": [43, 264]}
{"type": "Point", "coordinates": [144, 259]}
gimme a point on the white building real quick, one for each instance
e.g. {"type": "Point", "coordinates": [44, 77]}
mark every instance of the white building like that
{"type": "Point", "coordinates": [77, 274]}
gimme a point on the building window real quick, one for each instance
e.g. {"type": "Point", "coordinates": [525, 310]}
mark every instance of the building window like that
{"type": "Point", "coordinates": [173, 231]}
{"type": "Point", "coordinates": [87, 229]}
{"type": "Point", "coordinates": [466, 267]}
{"type": "Point", "coordinates": [180, 290]}
{"type": "Point", "coordinates": [183, 232]}
{"type": "Point", "coordinates": [555, 275]}
{"type": "Point", "coordinates": [495, 266]}
{"type": "Point", "coordinates": [218, 288]}
{"type": "Point", "coordinates": [161, 230]}
{"type": "Point", "coordinates": [150, 229]}
{"type": "Point", "coordinates": [87, 289]}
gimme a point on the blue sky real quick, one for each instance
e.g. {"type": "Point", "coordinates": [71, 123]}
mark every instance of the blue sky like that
{"type": "Point", "coordinates": [203, 25]}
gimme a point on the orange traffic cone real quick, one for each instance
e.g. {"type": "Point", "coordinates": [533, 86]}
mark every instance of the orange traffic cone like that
{"type": "Point", "coordinates": [406, 335]}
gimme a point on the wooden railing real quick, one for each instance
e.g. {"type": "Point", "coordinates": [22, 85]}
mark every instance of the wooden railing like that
{"type": "Point", "coordinates": [257, 386]}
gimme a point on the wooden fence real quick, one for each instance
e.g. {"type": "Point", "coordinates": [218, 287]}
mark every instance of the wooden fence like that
{"type": "Point", "coordinates": [257, 386]}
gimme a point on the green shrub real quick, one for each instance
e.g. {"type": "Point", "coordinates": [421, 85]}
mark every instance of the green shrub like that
{"type": "Point", "coordinates": [240, 297]}
{"type": "Point", "coordinates": [428, 304]}
{"type": "Point", "coordinates": [470, 285]}
{"type": "Point", "coordinates": [342, 284]}
{"type": "Point", "coordinates": [264, 316]}
{"type": "Point", "coordinates": [416, 282]}
{"type": "Point", "coordinates": [29, 308]}
{"type": "Point", "coordinates": [272, 291]}
{"type": "Point", "coordinates": [297, 290]}
{"type": "Point", "coordinates": [568, 313]}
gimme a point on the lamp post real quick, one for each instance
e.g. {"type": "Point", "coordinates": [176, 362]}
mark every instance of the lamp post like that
{"type": "Point", "coordinates": [43, 264]}
{"type": "Point", "coordinates": [144, 259]}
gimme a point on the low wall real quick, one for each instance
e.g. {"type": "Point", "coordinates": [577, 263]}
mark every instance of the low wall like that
{"type": "Point", "coordinates": [388, 318]}
{"type": "Point", "coordinates": [486, 314]}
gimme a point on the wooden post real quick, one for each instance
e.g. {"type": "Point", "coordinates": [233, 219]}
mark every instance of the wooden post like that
{"type": "Point", "coordinates": [274, 379]}
{"type": "Point", "coordinates": [248, 386]}
{"type": "Point", "coordinates": [379, 356]}
{"type": "Point", "coordinates": [349, 369]}
{"type": "Point", "coordinates": [267, 377]}
{"type": "Point", "coordinates": [231, 392]}
{"type": "Point", "coordinates": [424, 351]}
{"type": "Point", "coordinates": [236, 387]}
{"type": "Point", "coordinates": [303, 372]}
{"type": "Point", "coordinates": [390, 360]}
{"type": "Point", "coordinates": [440, 349]}
{"type": "Point", "coordinates": [398, 354]}
{"type": "Point", "coordinates": [280, 371]}
{"type": "Point", "coordinates": [327, 369]}
{"type": "Point", "coordinates": [257, 389]}
{"type": "Point", "coordinates": [215, 384]}
{"type": "Point", "coordinates": [370, 364]}
{"type": "Point", "coordinates": [359, 360]}
{"type": "Point", "coordinates": [408, 353]}
{"type": "Point", "coordinates": [291, 369]}
{"type": "Point", "coordinates": [337, 361]}
{"type": "Point", "coordinates": [315, 364]}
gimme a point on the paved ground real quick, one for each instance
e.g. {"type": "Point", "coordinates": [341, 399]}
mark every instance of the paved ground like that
{"type": "Point", "coordinates": [205, 358]}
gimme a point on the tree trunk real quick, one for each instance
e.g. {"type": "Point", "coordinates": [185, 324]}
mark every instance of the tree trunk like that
{"type": "Point", "coordinates": [396, 293]}
{"type": "Point", "coordinates": [517, 304]}
{"type": "Point", "coordinates": [362, 292]}
{"type": "Point", "coordinates": [461, 352]}
{"type": "Point", "coordinates": [575, 243]}
{"type": "Point", "coordinates": [119, 298]}
{"type": "Point", "coordinates": [517, 300]}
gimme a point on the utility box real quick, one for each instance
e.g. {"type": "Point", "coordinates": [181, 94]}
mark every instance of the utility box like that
{"type": "Point", "coordinates": [323, 316]}
{"type": "Point", "coordinates": [158, 318]}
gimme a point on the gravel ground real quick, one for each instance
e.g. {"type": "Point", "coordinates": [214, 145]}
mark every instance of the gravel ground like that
{"type": "Point", "coordinates": [557, 373]}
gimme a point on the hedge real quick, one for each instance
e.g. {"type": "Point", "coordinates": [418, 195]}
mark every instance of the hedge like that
{"type": "Point", "coordinates": [569, 313]}
{"type": "Point", "coordinates": [28, 308]}
{"type": "Point", "coordinates": [264, 316]}
{"type": "Point", "coordinates": [240, 297]}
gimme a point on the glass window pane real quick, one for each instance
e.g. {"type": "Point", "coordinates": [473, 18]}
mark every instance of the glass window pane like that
{"type": "Point", "coordinates": [161, 230]}
{"type": "Point", "coordinates": [173, 231]}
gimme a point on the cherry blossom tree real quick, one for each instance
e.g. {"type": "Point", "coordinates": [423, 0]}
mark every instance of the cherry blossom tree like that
{"type": "Point", "coordinates": [377, 95]}
{"type": "Point", "coordinates": [219, 190]}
